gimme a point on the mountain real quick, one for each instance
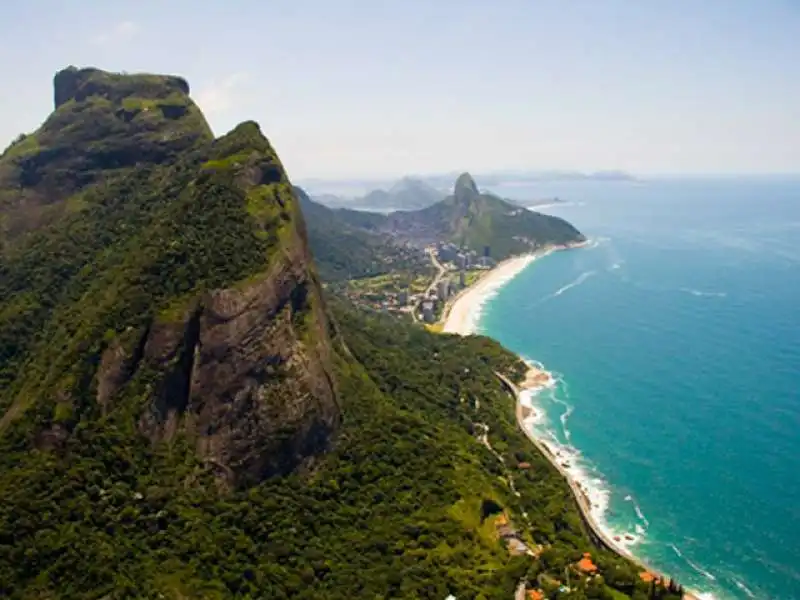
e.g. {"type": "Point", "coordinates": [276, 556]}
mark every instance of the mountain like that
{"type": "Point", "coordinates": [158, 280]}
{"type": "Point", "coordinates": [185, 415]}
{"type": "Point", "coordinates": [345, 247]}
{"type": "Point", "coordinates": [104, 126]}
{"type": "Point", "coordinates": [407, 194]}
{"type": "Point", "coordinates": [472, 219]}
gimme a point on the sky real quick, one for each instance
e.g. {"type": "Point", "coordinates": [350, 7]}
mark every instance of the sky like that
{"type": "Point", "coordinates": [379, 88]}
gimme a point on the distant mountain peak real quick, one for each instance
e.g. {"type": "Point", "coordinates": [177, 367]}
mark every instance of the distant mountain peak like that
{"type": "Point", "coordinates": [465, 188]}
{"type": "Point", "coordinates": [411, 184]}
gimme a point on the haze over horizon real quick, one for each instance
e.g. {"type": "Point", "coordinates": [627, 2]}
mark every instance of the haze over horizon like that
{"type": "Point", "coordinates": [381, 89]}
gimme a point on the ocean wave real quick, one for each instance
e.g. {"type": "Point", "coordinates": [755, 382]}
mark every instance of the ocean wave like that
{"type": "Point", "coordinates": [563, 418]}
{"type": "Point", "coordinates": [593, 484]}
{"type": "Point", "coordinates": [595, 242]}
{"type": "Point", "coordinates": [579, 280]}
{"type": "Point", "coordinates": [638, 510]}
{"type": "Point", "coordinates": [640, 514]}
{"type": "Point", "coordinates": [694, 565]}
{"type": "Point", "coordinates": [704, 294]}
{"type": "Point", "coordinates": [744, 588]}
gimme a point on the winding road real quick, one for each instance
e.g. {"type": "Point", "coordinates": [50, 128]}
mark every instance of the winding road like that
{"type": "Point", "coordinates": [441, 270]}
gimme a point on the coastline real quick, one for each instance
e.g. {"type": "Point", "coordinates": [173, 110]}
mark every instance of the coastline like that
{"type": "Point", "coordinates": [461, 317]}
{"type": "Point", "coordinates": [537, 379]}
{"type": "Point", "coordinates": [462, 312]}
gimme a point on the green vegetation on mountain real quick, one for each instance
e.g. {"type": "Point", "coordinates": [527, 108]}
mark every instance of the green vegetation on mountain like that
{"type": "Point", "coordinates": [104, 127]}
{"type": "Point", "coordinates": [345, 247]}
{"type": "Point", "coordinates": [183, 415]}
{"type": "Point", "coordinates": [474, 220]}
{"type": "Point", "coordinates": [405, 505]}
{"type": "Point", "coordinates": [179, 296]}
{"type": "Point", "coordinates": [471, 219]}
{"type": "Point", "coordinates": [408, 193]}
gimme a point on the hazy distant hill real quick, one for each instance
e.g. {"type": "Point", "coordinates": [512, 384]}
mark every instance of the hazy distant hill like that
{"type": "Point", "coordinates": [493, 179]}
{"type": "Point", "coordinates": [409, 193]}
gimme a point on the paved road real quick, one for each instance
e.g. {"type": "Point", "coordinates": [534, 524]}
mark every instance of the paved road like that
{"type": "Point", "coordinates": [441, 270]}
{"type": "Point", "coordinates": [580, 497]}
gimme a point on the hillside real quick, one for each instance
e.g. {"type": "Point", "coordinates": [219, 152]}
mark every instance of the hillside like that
{"type": "Point", "coordinates": [345, 247]}
{"type": "Point", "coordinates": [474, 220]}
{"type": "Point", "coordinates": [408, 193]}
{"type": "Point", "coordinates": [184, 415]}
{"type": "Point", "coordinates": [471, 219]}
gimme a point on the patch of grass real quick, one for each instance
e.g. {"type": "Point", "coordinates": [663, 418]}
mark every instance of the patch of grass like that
{"type": "Point", "coordinates": [227, 163]}
{"type": "Point", "coordinates": [24, 145]}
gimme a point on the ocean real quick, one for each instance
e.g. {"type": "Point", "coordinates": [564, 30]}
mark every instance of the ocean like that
{"type": "Point", "coordinates": [674, 339]}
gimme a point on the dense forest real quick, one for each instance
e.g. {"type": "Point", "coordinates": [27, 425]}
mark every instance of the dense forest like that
{"type": "Point", "coordinates": [345, 248]}
{"type": "Point", "coordinates": [397, 509]}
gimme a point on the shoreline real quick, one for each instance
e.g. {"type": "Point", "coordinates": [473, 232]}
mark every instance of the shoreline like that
{"type": "Point", "coordinates": [462, 312]}
{"type": "Point", "coordinates": [537, 379]}
{"type": "Point", "coordinates": [460, 317]}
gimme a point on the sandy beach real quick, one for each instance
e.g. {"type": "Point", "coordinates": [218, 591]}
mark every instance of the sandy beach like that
{"type": "Point", "coordinates": [463, 311]}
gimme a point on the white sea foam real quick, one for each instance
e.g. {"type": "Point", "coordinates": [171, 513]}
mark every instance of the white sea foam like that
{"type": "Point", "coordinates": [596, 242]}
{"type": "Point", "coordinates": [701, 570]}
{"type": "Point", "coordinates": [563, 418]}
{"type": "Point", "coordinates": [592, 483]}
{"type": "Point", "coordinates": [640, 514]}
{"type": "Point", "coordinates": [701, 293]}
{"type": "Point", "coordinates": [581, 278]}
{"type": "Point", "coordinates": [744, 588]}
{"type": "Point", "coordinates": [694, 565]}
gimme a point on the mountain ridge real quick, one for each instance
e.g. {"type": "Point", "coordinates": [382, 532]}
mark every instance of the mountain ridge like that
{"type": "Point", "coordinates": [473, 220]}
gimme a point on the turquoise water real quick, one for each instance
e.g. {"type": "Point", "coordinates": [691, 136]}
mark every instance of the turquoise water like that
{"type": "Point", "coordinates": [675, 339]}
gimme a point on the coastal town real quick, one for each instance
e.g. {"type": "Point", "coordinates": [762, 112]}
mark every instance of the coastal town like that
{"type": "Point", "coordinates": [423, 296]}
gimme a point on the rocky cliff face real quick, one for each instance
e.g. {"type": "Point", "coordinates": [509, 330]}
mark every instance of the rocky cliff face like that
{"type": "Point", "coordinates": [246, 371]}
{"type": "Point", "coordinates": [163, 283]}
